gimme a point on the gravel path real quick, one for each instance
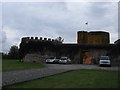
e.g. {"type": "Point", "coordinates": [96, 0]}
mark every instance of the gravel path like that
{"type": "Point", "coordinates": [13, 77]}
{"type": "Point", "coordinates": [81, 66]}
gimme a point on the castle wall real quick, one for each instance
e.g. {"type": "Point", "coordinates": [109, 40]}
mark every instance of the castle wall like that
{"type": "Point", "coordinates": [76, 52]}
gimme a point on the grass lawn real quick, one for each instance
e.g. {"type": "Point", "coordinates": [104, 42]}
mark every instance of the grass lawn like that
{"type": "Point", "coordinates": [74, 79]}
{"type": "Point", "coordinates": [11, 65]}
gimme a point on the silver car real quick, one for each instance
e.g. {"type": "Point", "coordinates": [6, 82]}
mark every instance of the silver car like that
{"type": "Point", "coordinates": [104, 61]}
{"type": "Point", "coordinates": [64, 60]}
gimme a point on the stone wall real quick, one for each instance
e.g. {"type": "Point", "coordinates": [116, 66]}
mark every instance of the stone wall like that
{"type": "Point", "coordinates": [34, 58]}
{"type": "Point", "coordinates": [115, 61]}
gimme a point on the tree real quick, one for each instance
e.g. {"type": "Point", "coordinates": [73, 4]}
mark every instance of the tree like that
{"type": "Point", "coordinates": [59, 39]}
{"type": "Point", "coordinates": [14, 52]}
{"type": "Point", "coordinates": [5, 56]}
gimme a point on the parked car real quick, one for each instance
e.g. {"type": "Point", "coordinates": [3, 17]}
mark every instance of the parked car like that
{"type": "Point", "coordinates": [50, 60]}
{"type": "Point", "coordinates": [64, 60]}
{"type": "Point", "coordinates": [56, 61]}
{"type": "Point", "coordinates": [53, 60]}
{"type": "Point", "coordinates": [104, 61]}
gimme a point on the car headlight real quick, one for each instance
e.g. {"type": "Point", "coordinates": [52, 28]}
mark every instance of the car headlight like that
{"type": "Point", "coordinates": [65, 61]}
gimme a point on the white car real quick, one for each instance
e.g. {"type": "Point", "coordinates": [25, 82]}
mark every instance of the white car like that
{"type": "Point", "coordinates": [53, 60]}
{"type": "Point", "coordinates": [50, 60]}
{"type": "Point", "coordinates": [105, 61]}
{"type": "Point", "coordinates": [65, 60]}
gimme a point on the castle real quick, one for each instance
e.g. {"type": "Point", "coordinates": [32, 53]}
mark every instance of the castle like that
{"type": "Point", "coordinates": [89, 47]}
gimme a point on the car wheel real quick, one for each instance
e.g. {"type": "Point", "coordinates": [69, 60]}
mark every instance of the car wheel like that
{"type": "Point", "coordinates": [109, 65]}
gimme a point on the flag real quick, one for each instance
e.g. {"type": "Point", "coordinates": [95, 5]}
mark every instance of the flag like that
{"type": "Point", "coordinates": [86, 23]}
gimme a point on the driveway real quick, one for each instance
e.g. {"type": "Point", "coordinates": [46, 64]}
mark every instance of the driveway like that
{"type": "Point", "coordinates": [80, 66]}
{"type": "Point", "coordinates": [13, 77]}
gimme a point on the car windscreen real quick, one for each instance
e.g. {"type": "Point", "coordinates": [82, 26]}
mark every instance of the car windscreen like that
{"type": "Point", "coordinates": [57, 57]}
{"type": "Point", "coordinates": [51, 58]}
{"type": "Point", "coordinates": [63, 58]}
{"type": "Point", "coordinates": [104, 58]}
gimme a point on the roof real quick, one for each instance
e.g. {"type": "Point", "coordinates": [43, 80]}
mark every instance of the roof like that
{"type": "Point", "coordinates": [93, 32]}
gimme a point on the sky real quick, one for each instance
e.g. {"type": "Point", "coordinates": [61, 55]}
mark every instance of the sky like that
{"type": "Point", "coordinates": [54, 19]}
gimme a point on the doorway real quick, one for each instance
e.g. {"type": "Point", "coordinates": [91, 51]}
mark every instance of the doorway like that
{"type": "Point", "coordinates": [87, 58]}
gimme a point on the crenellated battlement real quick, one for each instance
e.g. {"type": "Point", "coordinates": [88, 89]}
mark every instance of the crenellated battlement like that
{"type": "Point", "coordinates": [41, 39]}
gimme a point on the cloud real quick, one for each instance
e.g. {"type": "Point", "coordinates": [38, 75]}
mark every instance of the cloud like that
{"type": "Point", "coordinates": [3, 38]}
{"type": "Point", "coordinates": [9, 37]}
{"type": "Point", "coordinates": [53, 19]}
{"type": "Point", "coordinates": [61, 1]}
{"type": "Point", "coordinates": [119, 20]}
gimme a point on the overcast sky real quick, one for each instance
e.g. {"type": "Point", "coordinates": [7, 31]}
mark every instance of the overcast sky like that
{"type": "Point", "coordinates": [54, 19]}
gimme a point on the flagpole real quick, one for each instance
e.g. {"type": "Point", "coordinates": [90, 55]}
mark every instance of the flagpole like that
{"type": "Point", "coordinates": [86, 25]}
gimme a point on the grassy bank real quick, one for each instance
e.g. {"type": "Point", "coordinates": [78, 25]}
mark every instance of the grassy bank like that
{"type": "Point", "coordinates": [74, 79]}
{"type": "Point", "coordinates": [11, 65]}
